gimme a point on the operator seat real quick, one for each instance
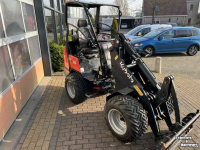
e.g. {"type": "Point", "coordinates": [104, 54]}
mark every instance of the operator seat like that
{"type": "Point", "coordinates": [85, 44]}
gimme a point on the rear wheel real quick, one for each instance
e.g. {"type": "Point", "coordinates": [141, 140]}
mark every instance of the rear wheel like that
{"type": "Point", "coordinates": [126, 118]}
{"type": "Point", "coordinates": [75, 88]}
{"type": "Point", "coordinates": [192, 50]}
{"type": "Point", "coordinates": [150, 50]}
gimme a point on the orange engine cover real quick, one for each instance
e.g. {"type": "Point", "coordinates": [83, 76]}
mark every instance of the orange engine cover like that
{"type": "Point", "coordinates": [74, 63]}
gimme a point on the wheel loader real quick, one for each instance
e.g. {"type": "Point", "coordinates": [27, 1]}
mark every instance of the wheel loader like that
{"type": "Point", "coordinates": [97, 61]}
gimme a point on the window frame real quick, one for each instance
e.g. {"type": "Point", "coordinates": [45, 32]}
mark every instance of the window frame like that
{"type": "Point", "coordinates": [6, 41]}
{"type": "Point", "coordinates": [59, 11]}
{"type": "Point", "coordinates": [165, 32]}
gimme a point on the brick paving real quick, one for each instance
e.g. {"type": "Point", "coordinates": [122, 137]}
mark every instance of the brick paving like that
{"type": "Point", "coordinates": [59, 124]}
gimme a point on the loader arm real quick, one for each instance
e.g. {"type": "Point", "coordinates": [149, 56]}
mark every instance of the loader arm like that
{"type": "Point", "coordinates": [127, 83]}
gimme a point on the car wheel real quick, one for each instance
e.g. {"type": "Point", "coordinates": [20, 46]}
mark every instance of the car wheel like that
{"type": "Point", "coordinates": [150, 50]}
{"type": "Point", "coordinates": [192, 50]}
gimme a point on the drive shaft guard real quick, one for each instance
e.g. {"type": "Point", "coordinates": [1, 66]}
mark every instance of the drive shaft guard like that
{"type": "Point", "coordinates": [170, 141]}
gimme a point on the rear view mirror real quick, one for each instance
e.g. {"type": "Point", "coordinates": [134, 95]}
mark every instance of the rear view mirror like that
{"type": "Point", "coordinates": [160, 38]}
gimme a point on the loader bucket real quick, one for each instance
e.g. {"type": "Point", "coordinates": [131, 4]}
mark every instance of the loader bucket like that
{"type": "Point", "coordinates": [171, 140]}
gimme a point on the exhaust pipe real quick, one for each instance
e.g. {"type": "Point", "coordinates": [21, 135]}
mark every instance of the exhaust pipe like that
{"type": "Point", "coordinates": [170, 141]}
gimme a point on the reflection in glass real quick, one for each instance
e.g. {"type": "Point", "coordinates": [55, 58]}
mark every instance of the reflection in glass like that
{"type": "Point", "coordinates": [29, 17]}
{"type": "Point", "coordinates": [58, 23]}
{"type": "Point", "coordinates": [47, 3]}
{"type": "Point", "coordinates": [12, 17]}
{"type": "Point", "coordinates": [20, 56]}
{"type": "Point", "coordinates": [49, 23]}
{"type": "Point", "coordinates": [6, 73]}
{"type": "Point", "coordinates": [34, 48]}
{"type": "Point", "coordinates": [2, 35]}
{"type": "Point", "coordinates": [56, 4]}
{"type": "Point", "coordinates": [64, 26]}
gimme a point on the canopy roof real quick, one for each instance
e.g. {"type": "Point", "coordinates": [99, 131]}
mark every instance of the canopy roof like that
{"type": "Point", "coordinates": [89, 5]}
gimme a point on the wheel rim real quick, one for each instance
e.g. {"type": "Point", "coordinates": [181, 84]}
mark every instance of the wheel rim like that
{"type": "Point", "coordinates": [150, 50]}
{"type": "Point", "coordinates": [117, 121]}
{"type": "Point", "coordinates": [193, 50]}
{"type": "Point", "coordinates": [70, 89]}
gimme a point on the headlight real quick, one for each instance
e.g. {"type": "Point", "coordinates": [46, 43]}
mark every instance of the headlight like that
{"type": "Point", "coordinates": [137, 44]}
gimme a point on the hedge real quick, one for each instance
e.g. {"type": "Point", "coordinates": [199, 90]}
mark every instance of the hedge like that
{"type": "Point", "coordinates": [57, 57]}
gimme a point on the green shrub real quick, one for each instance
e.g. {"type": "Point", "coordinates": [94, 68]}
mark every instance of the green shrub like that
{"type": "Point", "coordinates": [61, 41]}
{"type": "Point", "coordinates": [115, 26]}
{"type": "Point", "coordinates": [57, 57]}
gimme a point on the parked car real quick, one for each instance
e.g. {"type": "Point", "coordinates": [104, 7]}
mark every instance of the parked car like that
{"type": "Point", "coordinates": [124, 25]}
{"type": "Point", "coordinates": [173, 24]}
{"type": "Point", "coordinates": [142, 30]}
{"type": "Point", "coordinates": [169, 41]}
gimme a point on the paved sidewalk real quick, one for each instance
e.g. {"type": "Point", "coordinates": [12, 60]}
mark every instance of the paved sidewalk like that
{"type": "Point", "coordinates": [59, 124]}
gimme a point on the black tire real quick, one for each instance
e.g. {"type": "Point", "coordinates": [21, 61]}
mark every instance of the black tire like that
{"type": "Point", "coordinates": [192, 50]}
{"type": "Point", "coordinates": [150, 49]}
{"type": "Point", "coordinates": [76, 81]}
{"type": "Point", "coordinates": [133, 114]}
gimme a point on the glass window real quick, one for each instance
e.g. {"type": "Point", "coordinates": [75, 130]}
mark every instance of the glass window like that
{"type": "Point", "coordinates": [34, 48]}
{"type": "Point", "coordinates": [143, 32]}
{"type": "Point", "coordinates": [58, 23]}
{"type": "Point", "coordinates": [12, 17]}
{"type": "Point", "coordinates": [134, 31]}
{"type": "Point", "coordinates": [181, 33]}
{"type": "Point", "coordinates": [29, 17]}
{"type": "Point", "coordinates": [189, 33]}
{"type": "Point", "coordinates": [195, 33]}
{"type": "Point", "coordinates": [191, 7]}
{"type": "Point", "coordinates": [6, 73]}
{"type": "Point", "coordinates": [2, 35]}
{"type": "Point", "coordinates": [47, 3]}
{"type": "Point", "coordinates": [49, 23]}
{"type": "Point", "coordinates": [56, 4]}
{"type": "Point", "coordinates": [168, 34]}
{"type": "Point", "coordinates": [64, 25]}
{"type": "Point", "coordinates": [20, 56]}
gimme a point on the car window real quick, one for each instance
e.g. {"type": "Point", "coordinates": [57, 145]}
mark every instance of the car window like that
{"type": "Point", "coordinates": [189, 33]}
{"type": "Point", "coordinates": [134, 31]}
{"type": "Point", "coordinates": [181, 33]}
{"type": "Point", "coordinates": [143, 32]}
{"type": "Point", "coordinates": [168, 35]}
{"type": "Point", "coordinates": [154, 33]}
{"type": "Point", "coordinates": [195, 33]}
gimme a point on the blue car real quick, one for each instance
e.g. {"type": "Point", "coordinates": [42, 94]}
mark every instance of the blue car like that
{"type": "Point", "coordinates": [172, 40]}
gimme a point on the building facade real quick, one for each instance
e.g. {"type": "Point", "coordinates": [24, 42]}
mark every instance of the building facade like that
{"type": "Point", "coordinates": [182, 12]}
{"type": "Point", "coordinates": [26, 27]}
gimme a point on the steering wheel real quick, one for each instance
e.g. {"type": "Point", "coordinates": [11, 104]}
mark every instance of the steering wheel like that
{"type": "Point", "coordinates": [86, 38]}
{"type": "Point", "coordinates": [113, 39]}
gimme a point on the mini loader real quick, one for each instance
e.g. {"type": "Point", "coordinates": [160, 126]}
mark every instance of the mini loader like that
{"type": "Point", "coordinates": [100, 62]}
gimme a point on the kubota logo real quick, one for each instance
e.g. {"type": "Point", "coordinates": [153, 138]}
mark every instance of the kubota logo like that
{"type": "Point", "coordinates": [126, 72]}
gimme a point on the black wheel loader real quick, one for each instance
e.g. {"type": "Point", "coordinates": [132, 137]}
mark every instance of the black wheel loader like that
{"type": "Point", "coordinates": [97, 61]}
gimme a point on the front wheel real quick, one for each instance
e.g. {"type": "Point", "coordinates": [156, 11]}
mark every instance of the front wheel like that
{"type": "Point", "coordinates": [126, 118]}
{"type": "Point", "coordinates": [150, 50]}
{"type": "Point", "coordinates": [74, 86]}
{"type": "Point", "coordinates": [192, 50]}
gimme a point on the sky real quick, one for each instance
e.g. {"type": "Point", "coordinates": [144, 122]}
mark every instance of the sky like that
{"type": "Point", "coordinates": [135, 4]}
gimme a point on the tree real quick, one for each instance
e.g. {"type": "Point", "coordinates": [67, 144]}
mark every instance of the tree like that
{"type": "Point", "coordinates": [198, 21]}
{"type": "Point", "coordinates": [124, 7]}
{"type": "Point", "coordinates": [115, 26]}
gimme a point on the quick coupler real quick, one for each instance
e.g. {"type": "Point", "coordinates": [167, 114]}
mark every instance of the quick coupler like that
{"type": "Point", "coordinates": [171, 140]}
